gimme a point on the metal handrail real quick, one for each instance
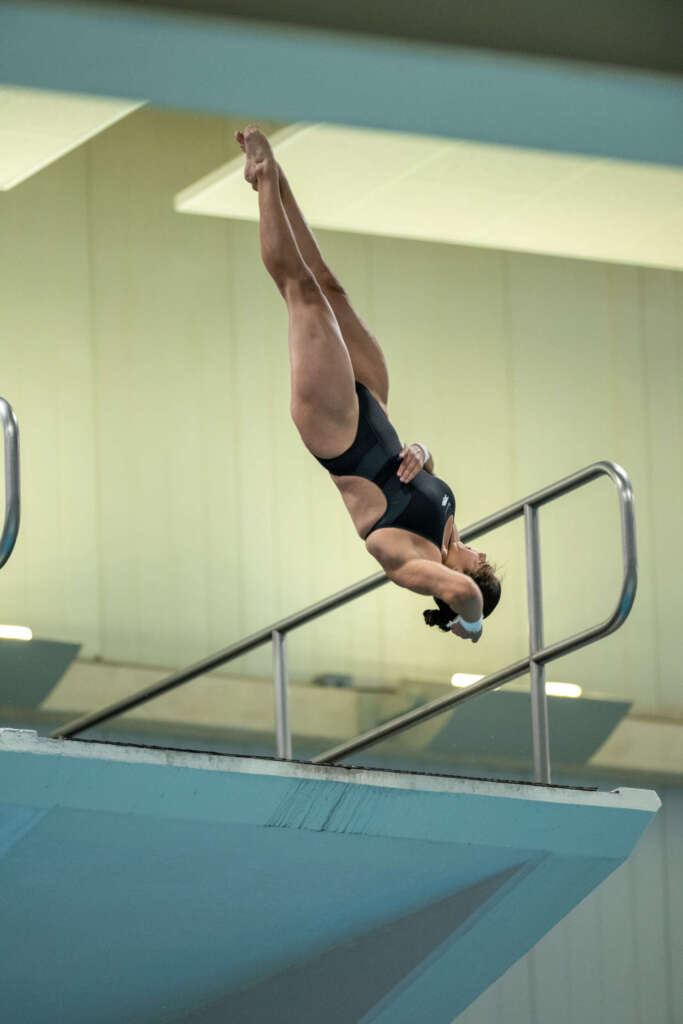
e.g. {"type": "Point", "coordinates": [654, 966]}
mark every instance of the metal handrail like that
{"type": "Point", "coordinates": [10, 530]}
{"type": "Point", "coordinates": [539, 655]}
{"type": "Point", "coordinates": [535, 663]}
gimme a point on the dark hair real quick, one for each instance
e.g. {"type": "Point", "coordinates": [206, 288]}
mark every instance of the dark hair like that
{"type": "Point", "coordinates": [489, 584]}
{"type": "Point", "coordinates": [441, 617]}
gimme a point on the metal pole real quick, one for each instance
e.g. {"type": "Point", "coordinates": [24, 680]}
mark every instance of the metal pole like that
{"type": "Point", "coordinates": [539, 700]}
{"type": "Point", "coordinates": [10, 529]}
{"type": "Point", "coordinates": [284, 736]}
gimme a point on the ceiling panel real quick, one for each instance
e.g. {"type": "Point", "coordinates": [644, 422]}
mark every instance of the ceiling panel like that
{"type": "Point", "coordinates": [465, 193]}
{"type": "Point", "coordinates": [38, 127]}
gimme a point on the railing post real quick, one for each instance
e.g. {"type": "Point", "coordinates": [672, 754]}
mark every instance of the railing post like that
{"type": "Point", "coordinates": [284, 736]}
{"type": "Point", "coordinates": [539, 700]}
{"type": "Point", "coordinates": [10, 529]}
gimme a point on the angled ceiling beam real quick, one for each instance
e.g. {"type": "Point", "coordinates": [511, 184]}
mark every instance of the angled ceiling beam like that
{"type": "Point", "coordinates": [260, 69]}
{"type": "Point", "coordinates": [628, 33]}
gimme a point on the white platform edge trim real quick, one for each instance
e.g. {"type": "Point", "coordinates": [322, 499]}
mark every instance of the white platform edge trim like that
{"type": "Point", "coordinates": [28, 742]}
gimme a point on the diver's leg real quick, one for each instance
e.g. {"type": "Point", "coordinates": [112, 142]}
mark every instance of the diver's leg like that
{"type": "Point", "coordinates": [324, 404]}
{"type": "Point", "coordinates": [367, 358]}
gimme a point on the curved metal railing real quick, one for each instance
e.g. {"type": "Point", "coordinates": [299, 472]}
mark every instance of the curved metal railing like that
{"type": "Point", "coordinates": [535, 662]}
{"type": "Point", "coordinates": [10, 529]}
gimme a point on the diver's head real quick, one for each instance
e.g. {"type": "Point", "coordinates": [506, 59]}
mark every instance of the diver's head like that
{"type": "Point", "coordinates": [473, 564]}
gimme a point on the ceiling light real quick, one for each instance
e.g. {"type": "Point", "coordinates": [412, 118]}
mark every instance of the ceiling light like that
{"type": "Point", "coordinates": [463, 679]}
{"type": "Point", "coordinates": [15, 633]}
{"type": "Point", "coordinates": [563, 690]}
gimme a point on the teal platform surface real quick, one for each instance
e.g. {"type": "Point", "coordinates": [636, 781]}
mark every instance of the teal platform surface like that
{"type": "Point", "coordinates": [150, 885]}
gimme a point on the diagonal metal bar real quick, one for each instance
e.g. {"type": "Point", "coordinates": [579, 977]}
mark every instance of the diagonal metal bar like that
{"type": "Point", "coordinates": [419, 715]}
{"type": "Point", "coordinates": [214, 661]}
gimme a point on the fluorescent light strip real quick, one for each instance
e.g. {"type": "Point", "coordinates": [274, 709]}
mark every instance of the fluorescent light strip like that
{"type": "Point", "coordinates": [15, 633]}
{"type": "Point", "coordinates": [463, 679]}
{"type": "Point", "coordinates": [563, 690]}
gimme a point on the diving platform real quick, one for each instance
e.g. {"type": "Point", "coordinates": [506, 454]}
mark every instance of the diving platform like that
{"type": "Point", "coordinates": [155, 885]}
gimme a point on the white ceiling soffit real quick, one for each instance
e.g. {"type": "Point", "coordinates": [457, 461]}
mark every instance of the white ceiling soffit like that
{"type": "Point", "coordinates": [37, 127]}
{"type": "Point", "coordinates": [466, 193]}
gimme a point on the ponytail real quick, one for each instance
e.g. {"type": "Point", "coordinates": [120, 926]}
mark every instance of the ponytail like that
{"type": "Point", "coordinates": [439, 618]}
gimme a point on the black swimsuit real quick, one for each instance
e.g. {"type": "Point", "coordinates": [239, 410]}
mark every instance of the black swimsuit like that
{"type": "Point", "coordinates": [421, 506]}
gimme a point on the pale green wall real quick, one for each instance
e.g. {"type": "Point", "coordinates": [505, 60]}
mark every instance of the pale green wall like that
{"type": "Point", "coordinates": [168, 504]}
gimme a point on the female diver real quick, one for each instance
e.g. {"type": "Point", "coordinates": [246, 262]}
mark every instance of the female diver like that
{"type": "Point", "coordinates": [339, 393]}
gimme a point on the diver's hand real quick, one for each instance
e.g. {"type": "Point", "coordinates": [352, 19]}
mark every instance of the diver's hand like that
{"type": "Point", "coordinates": [412, 461]}
{"type": "Point", "coordinates": [463, 633]}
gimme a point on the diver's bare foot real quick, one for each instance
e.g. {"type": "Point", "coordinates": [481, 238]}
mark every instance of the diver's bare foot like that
{"type": "Point", "coordinates": [256, 148]}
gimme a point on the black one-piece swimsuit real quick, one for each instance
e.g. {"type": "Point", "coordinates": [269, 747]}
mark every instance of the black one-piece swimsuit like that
{"type": "Point", "coordinates": [421, 506]}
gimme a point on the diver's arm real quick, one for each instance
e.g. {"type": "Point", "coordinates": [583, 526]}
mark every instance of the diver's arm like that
{"type": "Point", "coordinates": [458, 590]}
